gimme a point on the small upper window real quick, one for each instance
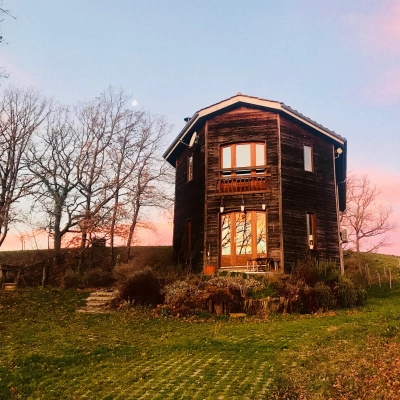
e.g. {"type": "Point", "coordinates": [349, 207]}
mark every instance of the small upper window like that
{"type": "Point", "coordinates": [308, 161]}
{"type": "Point", "coordinates": [190, 168]}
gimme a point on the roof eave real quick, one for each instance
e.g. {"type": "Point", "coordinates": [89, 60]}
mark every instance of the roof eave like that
{"type": "Point", "coordinates": [253, 101]}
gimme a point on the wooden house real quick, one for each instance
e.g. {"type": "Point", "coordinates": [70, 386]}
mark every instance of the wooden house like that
{"type": "Point", "coordinates": [256, 183]}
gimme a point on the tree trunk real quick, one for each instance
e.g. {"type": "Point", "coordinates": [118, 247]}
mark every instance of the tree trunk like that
{"type": "Point", "coordinates": [132, 230]}
{"type": "Point", "coordinates": [113, 223]}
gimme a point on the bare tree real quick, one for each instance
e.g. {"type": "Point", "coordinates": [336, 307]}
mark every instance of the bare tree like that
{"type": "Point", "coordinates": [52, 159]}
{"type": "Point", "coordinates": [151, 177]}
{"type": "Point", "coordinates": [99, 122]}
{"type": "Point", "coordinates": [140, 178]}
{"type": "Point", "coordinates": [119, 160]}
{"type": "Point", "coordinates": [21, 114]}
{"type": "Point", "coordinates": [125, 153]}
{"type": "Point", "coordinates": [364, 216]}
{"type": "Point", "coordinates": [3, 73]}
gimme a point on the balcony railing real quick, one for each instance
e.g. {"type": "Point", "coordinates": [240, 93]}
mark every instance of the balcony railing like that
{"type": "Point", "coordinates": [240, 181]}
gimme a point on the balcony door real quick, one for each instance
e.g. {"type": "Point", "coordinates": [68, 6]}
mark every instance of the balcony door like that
{"type": "Point", "coordinates": [243, 236]}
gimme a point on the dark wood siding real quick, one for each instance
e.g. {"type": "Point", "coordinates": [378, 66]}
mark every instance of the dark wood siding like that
{"type": "Point", "coordinates": [242, 125]}
{"type": "Point", "coordinates": [189, 205]}
{"type": "Point", "coordinates": [291, 191]}
{"type": "Point", "coordinates": [304, 191]}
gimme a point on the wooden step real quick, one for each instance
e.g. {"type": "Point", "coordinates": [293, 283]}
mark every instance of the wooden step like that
{"type": "Point", "coordinates": [10, 286]}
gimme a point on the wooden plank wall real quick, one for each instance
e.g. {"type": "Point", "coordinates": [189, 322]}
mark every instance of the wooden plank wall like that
{"type": "Point", "coordinates": [189, 205]}
{"type": "Point", "coordinates": [241, 125]}
{"type": "Point", "coordinates": [304, 191]}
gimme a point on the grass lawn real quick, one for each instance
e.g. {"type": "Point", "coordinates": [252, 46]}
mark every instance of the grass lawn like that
{"type": "Point", "coordinates": [48, 351]}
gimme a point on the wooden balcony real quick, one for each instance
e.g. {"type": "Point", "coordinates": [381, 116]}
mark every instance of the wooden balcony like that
{"type": "Point", "coordinates": [242, 181]}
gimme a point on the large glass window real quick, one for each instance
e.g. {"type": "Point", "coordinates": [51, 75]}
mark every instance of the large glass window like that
{"type": "Point", "coordinates": [261, 234]}
{"type": "Point", "coordinates": [243, 236]}
{"type": "Point", "coordinates": [243, 233]}
{"type": "Point", "coordinates": [226, 233]}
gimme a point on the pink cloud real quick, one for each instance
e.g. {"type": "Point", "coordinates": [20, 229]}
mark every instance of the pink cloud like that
{"type": "Point", "coordinates": [388, 183]}
{"type": "Point", "coordinates": [378, 34]}
{"type": "Point", "coordinates": [385, 89]}
{"type": "Point", "coordinates": [17, 75]}
{"type": "Point", "coordinates": [161, 236]}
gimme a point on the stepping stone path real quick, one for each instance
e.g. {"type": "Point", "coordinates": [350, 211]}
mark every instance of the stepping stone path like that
{"type": "Point", "coordinates": [99, 301]}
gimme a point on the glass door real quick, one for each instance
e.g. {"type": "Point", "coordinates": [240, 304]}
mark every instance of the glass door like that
{"type": "Point", "coordinates": [243, 236]}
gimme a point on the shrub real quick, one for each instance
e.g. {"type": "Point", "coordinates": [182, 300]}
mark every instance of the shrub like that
{"type": "Point", "coordinates": [72, 280]}
{"type": "Point", "coordinates": [317, 285]}
{"type": "Point", "coordinates": [312, 270]}
{"type": "Point", "coordinates": [141, 287]}
{"type": "Point", "coordinates": [179, 290]}
{"type": "Point", "coordinates": [97, 277]}
{"type": "Point", "coordinates": [239, 285]}
{"type": "Point", "coordinates": [183, 298]}
{"type": "Point", "coordinates": [219, 294]}
{"type": "Point", "coordinates": [324, 298]}
{"type": "Point", "coordinates": [348, 295]}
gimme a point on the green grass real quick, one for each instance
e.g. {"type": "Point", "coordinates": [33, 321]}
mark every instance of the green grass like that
{"type": "Point", "coordinates": [48, 351]}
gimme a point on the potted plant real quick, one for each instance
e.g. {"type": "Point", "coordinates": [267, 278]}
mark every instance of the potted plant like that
{"type": "Point", "coordinates": [209, 269]}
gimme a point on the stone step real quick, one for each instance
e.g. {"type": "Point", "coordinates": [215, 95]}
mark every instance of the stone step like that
{"type": "Point", "coordinates": [93, 310]}
{"type": "Point", "coordinates": [102, 294]}
{"type": "Point", "coordinates": [100, 298]}
{"type": "Point", "coordinates": [98, 301]}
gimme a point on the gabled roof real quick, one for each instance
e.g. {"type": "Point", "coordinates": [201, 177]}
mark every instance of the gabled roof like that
{"type": "Point", "coordinates": [233, 102]}
{"type": "Point", "coordinates": [182, 140]}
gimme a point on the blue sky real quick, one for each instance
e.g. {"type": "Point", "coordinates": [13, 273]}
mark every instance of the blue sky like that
{"type": "Point", "coordinates": [337, 62]}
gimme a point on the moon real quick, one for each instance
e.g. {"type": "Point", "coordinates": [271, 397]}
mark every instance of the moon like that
{"type": "Point", "coordinates": [134, 103]}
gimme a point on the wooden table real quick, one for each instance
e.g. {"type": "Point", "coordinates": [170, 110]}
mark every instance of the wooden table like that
{"type": "Point", "coordinates": [259, 264]}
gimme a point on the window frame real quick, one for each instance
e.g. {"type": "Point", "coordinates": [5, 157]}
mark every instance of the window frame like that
{"type": "Point", "coordinates": [255, 242]}
{"type": "Point", "coordinates": [308, 157]}
{"type": "Point", "coordinates": [311, 225]}
{"type": "Point", "coordinates": [190, 167]}
{"type": "Point", "coordinates": [233, 168]}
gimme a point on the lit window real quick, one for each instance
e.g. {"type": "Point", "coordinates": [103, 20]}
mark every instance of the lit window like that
{"type": "Point", "coordinates": [308, 164]}
{"type": "Point", "coordinates": [243, 234]}
{"type": "Point", "coordinates": [242, 158]}
{"type": "Point", "coordinates": [311, 230]}
{"type": "Point", "coordinates": [243, 167]}
{"type": "Point", "coordinates": [190, 168]}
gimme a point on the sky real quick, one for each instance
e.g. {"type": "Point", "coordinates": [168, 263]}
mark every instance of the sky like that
{"type": "Point", "coordinates": [337, 62]}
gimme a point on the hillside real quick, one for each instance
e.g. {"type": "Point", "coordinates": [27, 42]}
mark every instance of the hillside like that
{"type": "Point", "coordinates": [49, 351]}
